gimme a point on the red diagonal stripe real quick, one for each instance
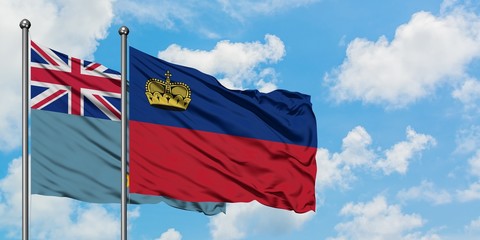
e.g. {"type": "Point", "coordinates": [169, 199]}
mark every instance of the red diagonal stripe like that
{"type": "Point", "coordinates": [93, 66]}
{"type": "Point", "coordinates": [44, 54]}
{"type": "Point", "coordinates": [106, 104]}
{"type": "Point", "coordinates": [48, 99]}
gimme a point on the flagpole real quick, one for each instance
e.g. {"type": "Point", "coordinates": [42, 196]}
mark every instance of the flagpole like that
{"type": "Point", "coordinates": [123, 31]}
{"type": "Point", "coordinates": [25, 26]}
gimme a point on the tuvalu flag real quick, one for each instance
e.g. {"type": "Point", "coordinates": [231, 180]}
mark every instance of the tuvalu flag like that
{"type": "Point", "coordinates": [194, 140]}
{"type": "Point", "coordinates": [75, 132]}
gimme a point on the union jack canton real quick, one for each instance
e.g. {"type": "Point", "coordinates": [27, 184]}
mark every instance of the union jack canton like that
{"type": "Point", "coordinates": [65, 84]}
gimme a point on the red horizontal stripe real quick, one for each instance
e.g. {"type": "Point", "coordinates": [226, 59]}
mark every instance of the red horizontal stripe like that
{"type": "Point", "coordinates": [201, 166]}
{"type": "Point", "coordinates": [76, 80]}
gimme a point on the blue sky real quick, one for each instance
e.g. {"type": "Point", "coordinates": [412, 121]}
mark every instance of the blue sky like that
{"type": "Point", "coordinates": [395, 89]}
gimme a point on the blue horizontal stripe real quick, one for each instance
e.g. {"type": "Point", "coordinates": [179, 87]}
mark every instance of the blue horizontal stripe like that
{"type": "Point", "coordinates": [279, 116]}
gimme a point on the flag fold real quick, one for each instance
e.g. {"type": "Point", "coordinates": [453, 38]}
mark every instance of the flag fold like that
{"type": "Point", "coordinates": [194, 140]}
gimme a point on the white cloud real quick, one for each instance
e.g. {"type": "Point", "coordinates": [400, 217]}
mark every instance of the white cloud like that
{"type": "Point", "coordinates": [470, 194]}
{"type": "Point", "coordinates": [447, 5]}
{"type": "Point", "coordinates": [239, 71]}
{"type": "Point", "coordinates": [468, 140]}
{"type": "Point", "coordinates": [244, 9]}
{"type": "Point", "coordinates": [91, 222]}
{"type": "Point", "coordinates": [331, 171]}
{"type": "Point", "coordinates": [471, 231]}
{"type": "Point", "coordinates": [170, 234]}
{"type": "Point", "coordinates": [73, 27]}
{"type": "Point", "coordinates": [70, 26]}
{"type": "Point", "coordinates": [420, 236]}
{"type": "Point", "coordinates": [357, 152]}
{"type": "Point", "coordinates": [164, 13]}
{"type": "Point", "coordinates": [425, 191]}
{"type": "Point", "coordinates": [473, 226]}
{"type": "Point", "coordinates": [11, 196]}
{"type": "Point", "coordinates": [202, 16]}
{"type": "Point", "coordinates": [398, 157]}
{"type": "Point", "coordinates": [474, 163]}
{"type": "Point", "coordinates": [413, 65]}
{"type": "Point", "coordinates": [336, 169]}
{"type": "Point", "coordinates": [244, 219]}
{"type": "Point", "coordinates": [378, 220]}
{"type": "Point", "coordinates": [134, 213]}
{"type": "Point", "coordinates": [52, 217]}
{"type": "Point", "coordinates": [468, 94]}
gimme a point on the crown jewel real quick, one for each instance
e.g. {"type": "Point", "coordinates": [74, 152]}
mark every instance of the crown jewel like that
{"type": "Point", "coordinates": [166, 94]}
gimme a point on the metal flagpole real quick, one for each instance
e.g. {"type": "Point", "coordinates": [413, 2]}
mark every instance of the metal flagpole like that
{"type": "Point", "coordinates": [123, 31]}
{"type": "Point", "coordinates": [25, 26]}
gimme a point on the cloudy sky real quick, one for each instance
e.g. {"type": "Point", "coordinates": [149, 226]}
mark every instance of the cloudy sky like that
{"type": "Point", "coordinates": [395, 89]}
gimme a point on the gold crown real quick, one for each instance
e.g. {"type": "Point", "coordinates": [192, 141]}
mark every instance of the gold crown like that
{"type": "Point", "coordinates": [166, 94]}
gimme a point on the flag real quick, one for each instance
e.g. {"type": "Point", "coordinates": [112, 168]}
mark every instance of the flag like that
{"type": "Point", "coordinates": [76, 132]}
{"type": "Point", "coordinates": [193, 139]}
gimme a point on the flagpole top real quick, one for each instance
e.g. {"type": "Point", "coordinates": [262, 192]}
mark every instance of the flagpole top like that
{"type": "Point", "coordinates": [25, 24]}
{"type": "Point", "coordinates": [123, 30]}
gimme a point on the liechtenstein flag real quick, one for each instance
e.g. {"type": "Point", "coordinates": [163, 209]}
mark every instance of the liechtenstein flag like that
{"type": "Point", "coordinates": [194, 140]}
